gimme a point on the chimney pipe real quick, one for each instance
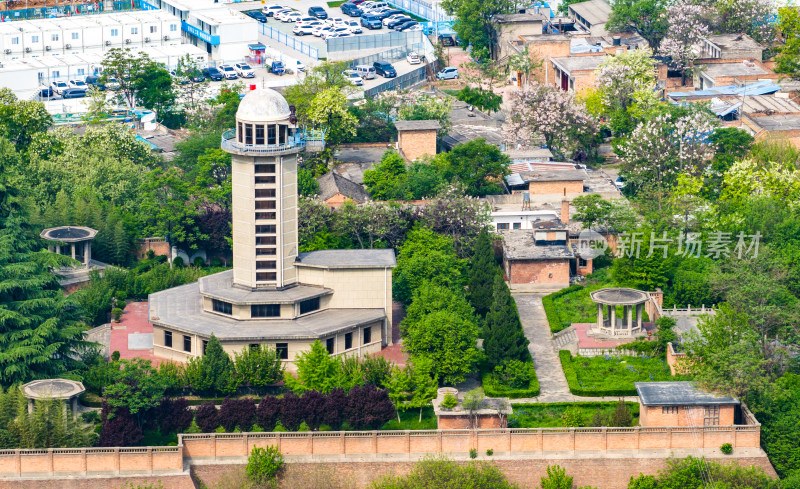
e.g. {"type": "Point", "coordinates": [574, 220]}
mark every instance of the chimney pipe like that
{"type": "Point", "coordinates": [565, 210]}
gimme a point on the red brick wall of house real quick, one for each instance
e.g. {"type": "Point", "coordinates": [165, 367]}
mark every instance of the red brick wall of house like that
{"type": "Point", "coordinates": [538, 271]}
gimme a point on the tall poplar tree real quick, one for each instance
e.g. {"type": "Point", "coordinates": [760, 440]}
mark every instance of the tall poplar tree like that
{"type": "Point", "coordinates": [503, 338]}
{"type": "Point", "coordinates": [482, 274]}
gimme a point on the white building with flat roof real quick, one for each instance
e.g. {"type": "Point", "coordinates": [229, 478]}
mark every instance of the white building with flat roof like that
{"type": "Point", "coordinates": [222, 32]}
{"type": "Point", "coordinates": [73, 35]}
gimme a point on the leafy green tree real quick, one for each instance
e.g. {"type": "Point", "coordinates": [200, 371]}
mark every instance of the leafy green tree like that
{"type": "Point", "coordinates": [136, 386]}
{"type": "Point", "coordinates": [213, 372]}
{"type": "Point", "coordinates": [557, 478]}
{"type": "Point", "coordinates": [40, 329]}
{"type": "Point", "coordinates": [425, 256]}
{"type": "Point", "coordinates": [127, 70]}
{"type": "Point", "coordinates": [320, 78]}
{"type": "Point", "coordinates": [476, 24]}
{"type": "Point", "coordinates": [643, 16]}
{"type": "Point", "coordinates": [424, 180]}
{"type": "Point", "coordinates": [328, 110]}
{"type": "Point", "coordinates": [258, 367]}
{"type": "Point", "coordinates": [21, 119]}
{"type": "Point", "coordinates": [387, 180]}
{"type": "Point", "coordinates": [306, 183]}
{"type": "Point", "coordinates": [167, 208]}
{"type": "Point", "coordinates": [154, 89]}
{"type": "Point", "coordinates": [485, 100]}
{"type": "Point", "coordinates": [264, 464]}
{"type": "Point", "coordinates": [319, 371]}
{"type": "Point", "coordinates": [441, 327]}
{"type": "Point", "coordinates": [478, 166]}
{"type": "Point", "coordinates": [483, 270]}
{"type": "Point", "coordinates": [503, 338]}
{"type": "Point", "coordinates": [413, 386]}
{"type": "Point", "coordinates": [427, 108]}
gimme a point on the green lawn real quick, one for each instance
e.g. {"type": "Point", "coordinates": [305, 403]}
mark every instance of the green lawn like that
{"type": "Point", "coordinates": [552, 415]}
{"type": "Point", "coordinates": [574, 305]}
{"type": "Point", "coordinates": [611, 375]}
{"type": "Point", "coordinates": [335, 4]}
{"type": "Point", "coordinates": [410, 420]}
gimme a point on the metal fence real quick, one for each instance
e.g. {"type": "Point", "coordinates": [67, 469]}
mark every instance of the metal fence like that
{"type": "Point", "coordinates": [289, 41]}
{"type": "Point", "coordinates": [67, 10]}
{"type": "Point", "coordinates": [420, 9]}
{"type": "Point", "coordinates": [403, 81]}
{"type": "Point", "coordinates": [389, 55]}
{"type": "Point", "coordinates": [387, 40]}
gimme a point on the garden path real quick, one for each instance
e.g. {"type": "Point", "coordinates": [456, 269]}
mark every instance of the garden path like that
{"type": "Point", "coordinates": [552, 381]}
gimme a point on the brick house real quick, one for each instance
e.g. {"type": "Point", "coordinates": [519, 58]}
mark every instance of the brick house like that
{"type": "Point", "coordinates": [732, 46]}
{"type": "Point", "coordinates": [592, 16]}
{"type": "Point", "coordinates": [576, 73]}
{"type": "Point", "coordinates": [683, 404]}
{"type": "Point", "coordinates": [557, 181]}
{"type": "Point", "coordinates": [416, 139]}
{"type": "Point", "coordinates": [335, 190]}
{"type": "Point", "coordinates": [492, 413]}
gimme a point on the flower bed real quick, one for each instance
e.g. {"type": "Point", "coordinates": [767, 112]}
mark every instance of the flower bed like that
{"type": "Point", "coordinates": [611, 376]}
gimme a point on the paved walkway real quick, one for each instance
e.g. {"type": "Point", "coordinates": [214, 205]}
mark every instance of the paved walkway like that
{"type": "Point", "coordinates": [552, 382]}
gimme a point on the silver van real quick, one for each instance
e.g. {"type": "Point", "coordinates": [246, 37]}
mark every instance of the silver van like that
{"type": "Point", "coordinates": [366, 72]}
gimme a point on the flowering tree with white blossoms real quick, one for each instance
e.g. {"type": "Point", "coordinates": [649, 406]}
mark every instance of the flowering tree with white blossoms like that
{"type": "Point", "coordinates": [543, 111]}
{"type": "Point", "coordinates": [685, 29]}
{"type": "Point", "coordinates": [626, 85]}
{"type": "Point", "coordinates": [661, 148]}
{"type": "Point", "coordinates": [750, 17]}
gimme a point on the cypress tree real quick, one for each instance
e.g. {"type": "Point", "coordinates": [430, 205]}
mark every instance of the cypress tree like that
{"type": "Point", "coordinates": [482, 274]}
{"type": "Point", "coordinates": [503, 338]}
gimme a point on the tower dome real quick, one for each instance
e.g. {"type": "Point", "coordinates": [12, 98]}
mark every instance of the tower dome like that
{"type": "Point", "coordinates": [263, 105]}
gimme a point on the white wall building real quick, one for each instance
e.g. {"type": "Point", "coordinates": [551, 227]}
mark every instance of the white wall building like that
{"type": "Point", "coordinates": [74, 35]}
{"type": "Point", "coordinates": [222, 32]}
{"type": "Point", "coordinates": [521, 219]}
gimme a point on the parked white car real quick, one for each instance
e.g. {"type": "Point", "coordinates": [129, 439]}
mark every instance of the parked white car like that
{"type": "Point", "coordinates": [354, 27]}
{"type": "Point", "coordinates": [58, 86]}
{"type": "Point", "coordinates": [244, 70]}
{"type": "Point", "coordinates": [335, 31]}
{"type": "Point", "coordinates": [301, 66]}
{"type": "Point", "coordinates": [272, 9]}
{"type": "Point", "coordinates": [413, 58]}
{"type": "Point", "coordinates": [280, 15]}
{"type": "Point", "coordinates": [320, 30]}
{"type": "Point", "coordinates": [292, 17]}
{"type": "Point", "coordinates": [339, 34]}
{"type": "Point", "coordinates": [336, 21]}
{"type": "Point", "coordinates": [307, 20]}
{"type": "Point", "coordinates": [77, 84]}
{"type": "Point", "coordinates": [354, 77]}
{"type": "Point", "coordinates": [392, 18]}
{"type": "Point", "coordinates": [305, 29]}
{"type": "Point", "coordinates": [228, 72]}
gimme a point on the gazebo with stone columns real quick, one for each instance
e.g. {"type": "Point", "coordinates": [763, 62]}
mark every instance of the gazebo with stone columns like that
{"type": "Point", "coordinates": [630, 300]}
{"type": "Point", "coordinates": [78, 238]}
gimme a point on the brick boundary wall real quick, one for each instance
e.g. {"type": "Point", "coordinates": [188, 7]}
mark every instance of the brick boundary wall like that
{"type": "Point", "coordinates": [210, 448]}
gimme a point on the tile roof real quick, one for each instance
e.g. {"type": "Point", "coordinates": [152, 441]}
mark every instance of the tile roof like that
{"type": "Point", "coordinates": [678, 394]}
{"type": "Point", "coordinates": [375, 258]}
{"type": "Point", "coordinates": [332, 183]}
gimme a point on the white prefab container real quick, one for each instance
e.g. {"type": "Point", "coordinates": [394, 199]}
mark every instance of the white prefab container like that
{"type": "Point", "coordinates": [10, 41]}
{"type": "Point", "coordinates": [112, 35]}
{"type": "Point", "coordinates": [52, 36]}
{"type": "Point", "coordinates": [32, 42]}
{"type": "Point", "coordinates": [131, 30]}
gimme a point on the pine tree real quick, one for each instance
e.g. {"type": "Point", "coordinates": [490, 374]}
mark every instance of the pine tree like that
{"type": "Point", "coordinates": [39, 328]}
{"type": "Point", "coordinates": [213, 372]}
{"type": "Point", "coordinates": [503, 336]}
{"type": "Point", "coordinates": [482, 273]}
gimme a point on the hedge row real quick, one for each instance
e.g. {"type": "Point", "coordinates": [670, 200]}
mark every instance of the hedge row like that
{"type": "Point", "coordinates": [495, 389]}
{"type": "Point", "coordinates": [634, 406]}
{"type": "Point", "coordinates": [568, 365]}
{"type": "Point", "coordinates": [550, 309]}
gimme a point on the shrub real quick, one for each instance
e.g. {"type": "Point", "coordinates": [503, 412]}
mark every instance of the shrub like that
{"type": "Point", "coordinates": [292, 411]}
{"type": "Point", "coordinates": [514, 379]}
{"type": "Point", "coordinates": [199, 262]}
{"type": "Point", "coordinates": [177, 262]}
{"type": "Point", "coordinates": [237, 413]}
{"type": "Point", "coordinates": [90, 417]}
{"type": "Point", "coordinates": [450, 401]}
{"type": "Point", "coordinates": [473, 453]}
{"type": "Point", "coordinates": [116, 313]}
{"type": "Point", "coordinates": [314, 409]}
{"type": "Point", "coordinates": [369, 407]}
{"type": "Point", "coordinates": [335, 405]}
{"type": "Point", "coordinates": [489, 452]}
{"type": "Point", "coordinates": [174, 415]}
{"type": "Point", "coordinates": [207, 417]}
{"type": "Point", "coordinates": [622, 415]}
{"type": "Point", "coordinates": [213, 372]}
{"type": "Point", "coordinates": [269, 409]}
{"type": "Point", "coordinates": [726, 448]}
{"type": "Point", "coordinates": [557, 478]}
{"type": "Point", "coordinates": [119, 428]}
{"type": "Point", "coordinates": [572, 417]}
{"type": "Point", "coordinates": [264, 464]}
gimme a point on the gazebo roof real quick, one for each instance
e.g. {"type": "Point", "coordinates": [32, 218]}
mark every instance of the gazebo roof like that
{"type": "Point", "coordinates": [619, 296]}
{"type": "Point", "coordinates": [47, 389]}
{"type": "Point", "coordinates": [69, 234]}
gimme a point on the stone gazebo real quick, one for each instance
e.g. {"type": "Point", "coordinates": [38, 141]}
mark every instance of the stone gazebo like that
{"type": "Point", "coordinates": [78, 238]}
{"type": "Point", "coordinates": [630, 300]}
{"type": "Point", "coordinates": [50, 389]}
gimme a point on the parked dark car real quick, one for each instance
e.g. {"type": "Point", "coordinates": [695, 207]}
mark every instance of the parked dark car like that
{"type": "Point", "coordinates": [387, 13]}
{"type": "Point", "coordinates": [46, 92]}
{"type": "Point", "coordinates": [407, 26]}
{"type": "Point", "coordinates": [257, 14]}
{"type": "Point", "coordinates": [384, 69]}
{"type": "Point", "coordinates": [213, 73]}
{"type": "Point", "coordinates": [277, 67]}
{"type": "Point", "coordinates": [73, 93]}
{"type": "Point", "coordinates": [401, 25]}
{"type": "Point", "coordinates": [448, 39]}
{"type": "Point", "coordinates": [394, 23]}
{"type": "Point", "coordinates": [197, 76]}
{"type": "Point", "coordinates": [351, 9]}
{"type": "Point", "coordinates": [318, 12]}
{"type": "Point", "coordinates": [94, 82]}
{"type": "Point", "coordinates": [371, 22]}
